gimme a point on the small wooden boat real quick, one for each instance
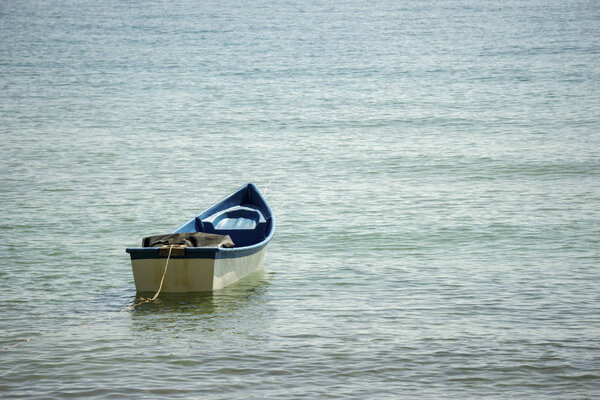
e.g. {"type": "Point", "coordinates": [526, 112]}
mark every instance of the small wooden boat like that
{"type": "Point", "coordinates": [200, 254]}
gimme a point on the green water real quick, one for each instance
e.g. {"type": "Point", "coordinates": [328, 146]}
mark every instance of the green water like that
{"type": "Point", "coordinates": [433, 167]}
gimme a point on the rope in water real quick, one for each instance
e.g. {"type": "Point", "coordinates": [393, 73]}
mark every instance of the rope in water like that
{"type": "Point", "coordinates": [268, 185]}
{"type": "Point", "coordinates": [131, 307]}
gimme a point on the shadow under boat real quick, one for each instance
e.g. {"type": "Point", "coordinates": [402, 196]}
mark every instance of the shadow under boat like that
{"type": "Point", "coordinates": [225, 300]}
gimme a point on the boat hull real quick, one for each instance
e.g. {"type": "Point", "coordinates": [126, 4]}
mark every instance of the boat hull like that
{"type": "Point", "coordinates": [194, 274]}
{"type": "Point", "coordinates": [244, 218]}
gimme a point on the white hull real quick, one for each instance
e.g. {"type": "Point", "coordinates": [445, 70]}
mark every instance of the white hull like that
{"type": "Point", "coordinates": [194, 274]}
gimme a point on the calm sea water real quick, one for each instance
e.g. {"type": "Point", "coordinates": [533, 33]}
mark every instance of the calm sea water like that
{"type": "Point", "coordinates": [433, 167]}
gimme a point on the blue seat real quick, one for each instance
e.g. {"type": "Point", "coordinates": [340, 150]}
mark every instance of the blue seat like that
{"type": "Point", "coordinates": [245, 225]}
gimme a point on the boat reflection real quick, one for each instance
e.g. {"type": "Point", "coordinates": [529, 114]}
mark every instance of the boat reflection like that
{"type": "Point", "coordinates": [170, 311]}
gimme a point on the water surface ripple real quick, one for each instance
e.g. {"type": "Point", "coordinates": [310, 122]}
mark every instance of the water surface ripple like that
{"type": "Point", "coordinates": [433, 165]}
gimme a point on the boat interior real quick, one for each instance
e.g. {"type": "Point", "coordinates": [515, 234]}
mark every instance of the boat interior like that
{"type": "Point", "coordinates": [245, 224]}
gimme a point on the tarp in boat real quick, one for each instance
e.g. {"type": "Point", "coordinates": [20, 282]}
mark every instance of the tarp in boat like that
{"type": "Point", "coordinates": [189, 239]}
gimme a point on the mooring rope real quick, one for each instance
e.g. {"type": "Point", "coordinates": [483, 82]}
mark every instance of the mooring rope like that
{"type": "Point", "coordinates": [163, 277]}
{"type": "Point", "coordinates": [131, 307]}
{"type": "Point", "coordinates": [267, 187]}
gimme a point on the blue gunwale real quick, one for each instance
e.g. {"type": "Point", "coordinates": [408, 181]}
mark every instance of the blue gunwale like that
{"type": "Point", "coordinates": [246, 195]}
